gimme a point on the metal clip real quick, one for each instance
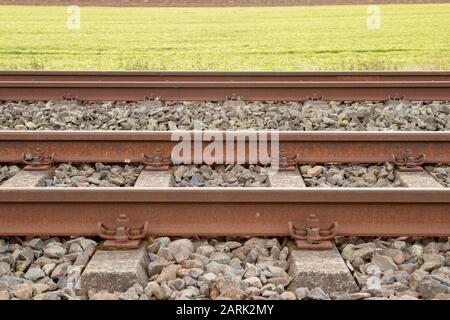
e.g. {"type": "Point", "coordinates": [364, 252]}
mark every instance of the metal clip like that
{"type": "Point", "coordinates": [122, 235]}
{"type": "Point", "coordinates": [409, 162]}
{"type": "Point", "coordinates": [70, 97]}
{"type": "Point", "coordinates": [315, 97]}
{"type": "Point", "coordinates": [312, 236]}
{"type": "Point", "coordinates": [234, 97]}
{"type": "Point", "coordinates": [396, 97]}
{"type": "Point", "coordinates": [156, 161]}
{"type": "Point", "coordinates": [286, 162]}
{"type": "Point", "coordinates": [37, 161]}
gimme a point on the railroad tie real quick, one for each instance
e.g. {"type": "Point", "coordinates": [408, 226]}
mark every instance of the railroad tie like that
{"type": "Point", "coordinates": [154, 179]}
{"type": "Point", "coordinates": [421, 179]}
{"type": "Point", "coordinates": [28, 179]}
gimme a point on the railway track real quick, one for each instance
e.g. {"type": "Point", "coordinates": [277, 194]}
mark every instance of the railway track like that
{"type": "Point", "coordinates": [311, 214]}
{"type": "Point", "coordinates": [217, 86]}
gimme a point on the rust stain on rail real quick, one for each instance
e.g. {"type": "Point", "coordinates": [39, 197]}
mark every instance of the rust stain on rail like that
{"type": "Point", "coordinates": [278, 87]}
{"type": "Point", "coordinates": [44, 211]}
{"type": "Point", "coordinates": [308, 147]}
{"type": "Point", "coordinates": [224, 76]}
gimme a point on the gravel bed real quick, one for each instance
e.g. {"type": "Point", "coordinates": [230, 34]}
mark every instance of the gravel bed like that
{"type": "Point", "coordinates": [227, 268]}
{"type": "Point", "coordinates": [42, 269]}
{"type": "Point", "coordinates": [349, 175]}
{"type": "Point", "coordinates": [7, 171]}
{"type": "Point", "coordinates": [220, 176]}
{"type": "Point", "coordinates": [402, 268]}
{"type": "Point", "coordinates": [94, 175]}
{"type": "Point", "coordinates": [441, 173]}
{"type": "Point", "coordinates": [228, 115]}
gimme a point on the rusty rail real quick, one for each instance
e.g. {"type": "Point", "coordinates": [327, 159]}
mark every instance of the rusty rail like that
{"type": "Point", "coordinates": [207, 76]}
{"type": "Point", "coordinates": [308, 147]}
{"type": "Point", "coordinates": [222, 211]}
{"type": "Point", "coordinates": [276, 86]}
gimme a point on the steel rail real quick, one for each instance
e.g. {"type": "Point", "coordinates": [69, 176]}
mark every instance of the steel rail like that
{"type": "Point", "coordinates": [225, 211]}
{"type": "Point", "coordinates": [207, 76]}
{"type": "Point", "coordinates": [311, 147]}
{"type": "Point", "coordinates": [222, 90]}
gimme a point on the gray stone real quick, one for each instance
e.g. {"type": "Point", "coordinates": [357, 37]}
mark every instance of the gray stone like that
{"type": "Point", "coordinates": [374, 286]}
{"type": "Point", "coordinates": [34, 274]}
{"type": "Point", "coordinates": [26, 254]}
{"type": "Point", "coordinates": [178, 284]}
{"type": "Point", "coordinates": [439, 296]}
{"type": "Point", "coordinates": [442, 279]}
{"type": "Point", "coordinates": [359, 295]}
{"type": "Point", "coordinates": [284, 253]}
{"type": "Point", "coordinates": [190, 292]}
{"type": "Point", "coordinates": [4, 268]}
{"type": "Point", "coordinates": [36, 244]}
{"type": "Point", "coordinates": [196, 272]}
{"type": "Point", "coordinates": [151, 288]}
{"type": "Point", "coordinates": [168, 273]}
{"type": "Point", "coordinates": [156, 267]}
{"type": "Point", "coordinates": [301, 293]}
{"type": "Point", "coordinates": [251, 271]}
{"type": "Point", "coordinates": [192, 263]}
{"type": "Point", "coordinates": [418, 277]}
{"type": "Point", "coordinates": [288, 295]}
{"type": "Point", "coordinates": [48, 268]}
{"type": "Point", "coordinates": [416, 250]}
{"type": "Point", "coordinates": [384, 262]}
{"type": "Point", "coordinates": [181, 249]}
{"type": "Point", "coordinates": [226, 288]}
{"type": "Point", "coordinates": [429, 289]}
{"type": "Point", "coordinates": [206, 250]}
{"type": "Point", "coordinates": [253, 282]}
{"type": "Point", "coordinates": [220, 257]}
{"type": "Point", "coordinates": [39, 288]}
{"type": "Point", "coordinates": [4, 295]}
{"type": "Point", "coordinates": [363, 253]}
{"type": "Point", "coordinates": [325, 269]}
{"type": "Point", "coordinates": [130, 294]}
{"type": "Point", "coordinates": [163, 292]}
{"type": "Point", "coordinates": [60, 270]}
{"type": "Point", "coordinates": [432, 261]}
{"type": "Point", "coordinates": [396, 255]}
{"type": "Point", "coordinates": [340, 295]}
{"type": "Point", "coordinates": [317, 294]}
{"type": "Point", "coordinates": [54, 251]}
{"type": "Point", "coordinates": [73, 276]}
{"type": "Point", "coordinates": [23, 291]}
{"type": "Point", "coordinates": [115, 270]}
{"type": "Point", "coordinates": [208, 277]}
{"type": "Point", "coordinates": [104, 295]}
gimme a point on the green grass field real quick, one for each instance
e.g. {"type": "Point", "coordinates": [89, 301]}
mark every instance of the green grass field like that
{"type": "Point", "coordinates": [284, 38]}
